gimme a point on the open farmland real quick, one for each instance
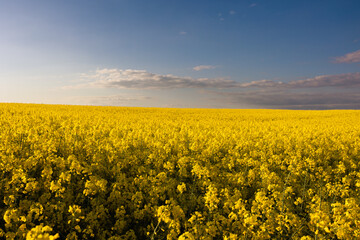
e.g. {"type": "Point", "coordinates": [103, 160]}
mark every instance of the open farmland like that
{"type": "Point", "coordinates": [78, 172]}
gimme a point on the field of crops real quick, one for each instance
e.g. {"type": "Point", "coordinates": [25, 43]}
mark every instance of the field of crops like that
{"type": "Point", "coordinates": [77, 172]}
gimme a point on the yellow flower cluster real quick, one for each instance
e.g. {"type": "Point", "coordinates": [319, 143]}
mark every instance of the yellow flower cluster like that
{"type": "Point", "coordinates": [78, 172]}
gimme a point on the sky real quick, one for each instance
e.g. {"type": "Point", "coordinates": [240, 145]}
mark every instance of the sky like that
{"type": "Point", "coordinates": [273, 54]}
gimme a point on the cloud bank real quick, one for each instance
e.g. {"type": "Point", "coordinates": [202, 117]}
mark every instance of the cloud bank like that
{"type": "Point", "coordinates": [141, 79]}
{"type": "Point", "coordinates": [293, 100]}
{"type": "Point", "coordinates": [352, 57]}
{"type": "Point", "coordinates": [339, 80]}
{"type": "Point", "coordinates": [319, 92]}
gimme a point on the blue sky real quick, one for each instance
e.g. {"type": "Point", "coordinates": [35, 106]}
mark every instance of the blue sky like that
{"type": "Point", "coordinates": [166, 53]}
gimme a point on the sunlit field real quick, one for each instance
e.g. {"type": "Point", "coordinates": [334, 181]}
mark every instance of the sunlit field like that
{"type": "Point", "coordinates": [81, 172]}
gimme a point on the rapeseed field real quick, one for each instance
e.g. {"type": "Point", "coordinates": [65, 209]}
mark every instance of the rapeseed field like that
{"type": "Point", "coordinates": [82, 172]}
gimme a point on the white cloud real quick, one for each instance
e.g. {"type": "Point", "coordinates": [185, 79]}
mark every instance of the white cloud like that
{"type": "Point", "coordinates": [232, 12]}
{"type": "Point", "coordinates": [352, 57]}
{"type": "Point", "coordinates": [253, 5]}
{"type": "Point", "coordinates": [203, 67]}
{"type": "Point", "coordinates": [141, 79]}
{"type": "Point", "coordinates": [182, 33]}
{"type": "Point", "coordinates": [262, 84]}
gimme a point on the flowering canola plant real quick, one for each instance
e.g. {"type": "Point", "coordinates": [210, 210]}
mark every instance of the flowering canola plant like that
{"type": "Point", "coordinates": [81, 172]}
